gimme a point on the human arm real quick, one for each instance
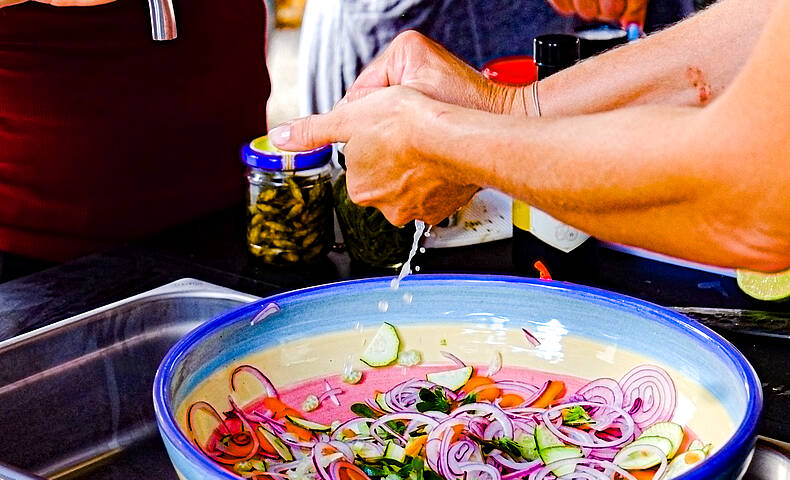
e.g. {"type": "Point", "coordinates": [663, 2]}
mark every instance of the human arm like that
{"type": "Point", "coordinates": [707, 49]}
{"type": "Point", "coordinates": [58, 3]}
{"type": "Point", "coordinates": [705, 184]}
{"type": "Point", "coordinates": [688, 64]}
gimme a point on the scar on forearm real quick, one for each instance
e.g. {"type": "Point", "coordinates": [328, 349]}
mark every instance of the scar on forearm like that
{"type": "Point", "coordinates": [697, 79]}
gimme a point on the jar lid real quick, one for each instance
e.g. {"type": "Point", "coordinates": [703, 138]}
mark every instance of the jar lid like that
{"type": "Point", "coordinates": [514, 70]}
{"type": "Point", "coordinates": [260, 153]}
{"type": "Point", "coordinates": [556, 50]}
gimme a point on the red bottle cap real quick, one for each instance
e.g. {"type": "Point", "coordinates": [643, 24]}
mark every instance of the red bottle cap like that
{"type": "Point", "coordinates": [515, 70]}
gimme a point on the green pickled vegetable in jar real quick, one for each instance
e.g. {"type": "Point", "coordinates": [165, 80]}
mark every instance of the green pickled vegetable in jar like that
{"type": "Point", "coordinates": [289, 203]}
{"type": "Point", "coordinates": [369, 237]}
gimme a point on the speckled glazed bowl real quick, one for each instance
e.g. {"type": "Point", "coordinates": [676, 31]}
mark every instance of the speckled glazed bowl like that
{"type": "Point", "coordinates": [584, 332]}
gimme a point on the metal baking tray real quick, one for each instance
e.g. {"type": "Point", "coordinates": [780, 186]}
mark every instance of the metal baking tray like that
{"type": "Point", "coordinates": [75, 396]}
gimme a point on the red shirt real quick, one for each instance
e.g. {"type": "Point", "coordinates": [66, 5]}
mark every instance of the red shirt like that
{"type": "Point", "coordinates": [106, 135]}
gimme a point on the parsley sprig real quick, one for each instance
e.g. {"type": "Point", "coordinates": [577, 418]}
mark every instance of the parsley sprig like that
{"type": "Point", "coordinates": [434, 400]}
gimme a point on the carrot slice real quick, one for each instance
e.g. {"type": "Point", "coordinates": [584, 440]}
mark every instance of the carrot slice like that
{"type": "Point", "coordinates": [279, 408]}
{"type": "Point", "coordinates": [348, 471]}
{"type": "Point", "coordinates": [555, 390]}
{"type": "Point", "coordinates": [642, 474]}
{"type": "Point", "coordinates": [510, 400]}
{"type": "Point", "coordinates": [489, 394]}
{"type": "Point", "coordinates": [414, 448]}
{"type": "Point", "coordinates": [302, 434]}
{"type": "Point", "coordinates": [458, 430]}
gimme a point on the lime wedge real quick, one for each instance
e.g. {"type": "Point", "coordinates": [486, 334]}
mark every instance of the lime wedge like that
{"type": "Point", "coordinates": [765, 286]}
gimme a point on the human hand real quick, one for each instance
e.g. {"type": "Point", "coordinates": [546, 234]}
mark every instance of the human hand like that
{"type": "Point", "coordinates": [386, 168]}
{"type": "Point", "coordinates": [415, 61]}
{"type": "Point", "coordinates": [59, 3]}
{"type": "Point", "coordinates": [623, 11]}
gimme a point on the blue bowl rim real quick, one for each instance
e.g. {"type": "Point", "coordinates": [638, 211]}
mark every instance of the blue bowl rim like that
{"type": "Point", "coordinates": [719, 461]}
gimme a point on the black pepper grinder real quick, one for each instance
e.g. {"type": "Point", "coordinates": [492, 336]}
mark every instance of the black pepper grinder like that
{"type": "Point", "coordinates": [542, 244]}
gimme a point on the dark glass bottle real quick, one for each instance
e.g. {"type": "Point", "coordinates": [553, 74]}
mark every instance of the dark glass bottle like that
{"type": "Point", "coordinates": [596, 39]}
{"type": "Point", "coordinates": [567, 253]}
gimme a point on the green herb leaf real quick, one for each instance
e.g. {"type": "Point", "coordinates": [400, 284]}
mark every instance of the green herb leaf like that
{"type": "Point", "coordinates": [471, 398]}
{"type": "Point", "coordinates": [433, 401]}
{"type": "Point", "coordinates": [364, 411]}
{"type": "Point", "coordinates": [427, 395]}
{"type": "Point", "coordinates": [504, 445]}
{"type": "Point", "coordinates": [576, 416]}
{"type": "Point", "coordinates": [417, 468]}
{"type": "Point", "coordinates": [431, 475]}
{"type": "Point", "coordinates": [398, 427]}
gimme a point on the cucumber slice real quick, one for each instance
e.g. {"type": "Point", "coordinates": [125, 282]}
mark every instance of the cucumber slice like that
{"type": "Point", "coordinates": [638, 457]}
{"type": "Point", "coordinates": [366, 451]}
{"type": "Point", "coordinates": [683, 463]}
{"type": "Point", "coordinates": [451, 379]}
{"type": "Point", "coordinates": [660, 443]}
{"type": "Point", "coordinates": [671, 431]}
{"type": "Point", "coordinates": [555, 454]}
{"type": "Point", "coordinates": [279, 446]}
{"type": "Point", "coordinates": [528, 447]}
{"type": "Point", "coordinates": [383, 348]}
{"type": "Point", "coordinates": [315, 427]}
{"type": "Point", "coordinates": [544, 438]}
{"type": "Point", "coordinates": [395, 452]}
{"type": "Point", "coordinates": [696, 445]}
{"type": "Point", "coordinates": [382, 402]}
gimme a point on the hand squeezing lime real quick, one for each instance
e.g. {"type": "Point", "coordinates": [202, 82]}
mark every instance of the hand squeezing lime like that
{"type": "Point", "coordinates": [765, 286]}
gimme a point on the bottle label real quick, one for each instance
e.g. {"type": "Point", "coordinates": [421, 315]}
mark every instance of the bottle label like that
{"type": "Point", "coordinates": [521, 215]}
{"type": "Point", "coordinates": [553, 232]}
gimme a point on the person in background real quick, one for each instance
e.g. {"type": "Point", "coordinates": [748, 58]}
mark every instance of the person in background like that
{"type": "Point", "coordinates": [340, 37]}
{"type": "Point", "coordinates": [677, 143]}
{"type": "Point", "coordinates": [106, 135]}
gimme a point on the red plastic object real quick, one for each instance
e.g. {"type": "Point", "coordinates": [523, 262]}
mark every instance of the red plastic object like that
{"type": "Point", "coordinates": [515, 70]}
{"type": "Point", "coordinates": [544, 272]}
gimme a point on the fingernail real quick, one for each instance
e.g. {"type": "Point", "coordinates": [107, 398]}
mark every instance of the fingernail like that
{"type": "Point", "coordinates": [280, 134]}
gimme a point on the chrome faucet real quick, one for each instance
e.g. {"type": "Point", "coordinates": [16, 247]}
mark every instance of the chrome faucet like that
{"type": "Point", "coordinates": [163, 19]}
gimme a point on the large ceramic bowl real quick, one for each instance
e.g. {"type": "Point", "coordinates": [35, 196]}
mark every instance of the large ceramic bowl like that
{"type": "Point", "coordinates": [584, 332]}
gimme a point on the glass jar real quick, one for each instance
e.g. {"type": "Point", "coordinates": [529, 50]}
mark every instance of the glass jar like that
{"type": "Point", "coordinates": [289, 203]}
{"type": "Point", "coordinates": [369, 237]}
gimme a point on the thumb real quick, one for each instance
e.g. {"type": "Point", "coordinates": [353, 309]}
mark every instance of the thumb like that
{"type": "Point", "coordinates": [635, 12]}
{"type": "Point", "coordinates": [310, 132]}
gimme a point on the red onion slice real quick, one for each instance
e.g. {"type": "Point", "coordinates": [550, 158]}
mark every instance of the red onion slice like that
{"type": "Point", "coordinates": [654, 389]}
{"type": "Point", "coordinates": [530, 338]}
{"type": "Point", "coordinates": [496, 413]}
{"type": "Point", "coordinates": [460, 363]}
{"type": "Point", "coordinates": [472, 467]}
{"type": "Point", "coordinates": [625, 434]}
{"type": "Point", "coordinates": [603, 390]}
{"type": "Point", "coordinates": [270, 390]}
{"type": "Point", "coordinates": [545, 472]}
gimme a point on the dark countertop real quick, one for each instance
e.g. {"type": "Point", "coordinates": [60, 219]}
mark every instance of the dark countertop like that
{"type": "Point", "coordinates": [212, 249]}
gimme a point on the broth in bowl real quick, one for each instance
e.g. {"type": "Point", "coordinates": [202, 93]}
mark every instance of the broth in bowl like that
{"type": "Point", "coordinates": [584, 423]}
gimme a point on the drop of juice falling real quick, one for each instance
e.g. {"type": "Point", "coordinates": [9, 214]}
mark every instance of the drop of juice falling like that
{"type": "Point", "coordinates": [406, 268]}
